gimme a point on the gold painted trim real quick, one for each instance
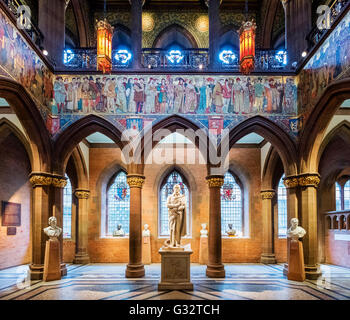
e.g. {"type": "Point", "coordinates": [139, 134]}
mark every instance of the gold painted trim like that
{"type": "Point", "coordinates": [215, 182]}
{"type": "Point", "coordinates": [267, 194]}
{"type": "Point", "coordinates": [82, 194]}
{"type": "Point", "coordinates": [135, 181]}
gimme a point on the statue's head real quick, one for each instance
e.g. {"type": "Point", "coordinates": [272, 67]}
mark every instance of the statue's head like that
{"type": "Point", "coordinates": [177, 189]}
{"type": "Point", "coordinates": [294, 222]}
{"type": "Point", "coordinates": [52, 222]}
{"type": "Point", "coordinates": [119, 226]}
{"type": "Point", "coordinates": [146, 226]}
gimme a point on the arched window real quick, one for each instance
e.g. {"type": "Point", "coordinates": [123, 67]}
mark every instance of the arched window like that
{"type": "Point", "coordinates": [231, 205]}
{"type": "Point", "coordinates": [167, 189]}
{"type": "Point", "coordinates": [118, 204]}
{"type": "Point", "coordinates": [282, 209]}
{"type": "Point", "coordinates": [347, 195]}
{"type": "Point", "coordinates": [338, 196]}
{"type": "Point", "coordinates": [67, 210]}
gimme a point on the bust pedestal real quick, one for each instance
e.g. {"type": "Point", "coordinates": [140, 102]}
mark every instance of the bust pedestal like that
{"type": "Point", "coordinates": [146, 250]}
{"type": "Point", "coordinates": [52, 266]}
{"type": "Point", "coordinates": [203, 250]}
{"type": "Point", "coordinates": [296, 270]}
{"type": "Point", "coordinates": [176, 273]}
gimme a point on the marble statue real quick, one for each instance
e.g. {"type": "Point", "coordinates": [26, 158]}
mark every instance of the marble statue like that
{"type": "Point", "coordinates": [295, 231]}
{"type": "Point", "coordinates": [119, 232]}
{"type": "Point", "coordinates": [204, 231]}
{"type": "Point", "coordinates": [231, 232]}
{"type": "Point", "coordinates": [146, 232]}
{"type": "Point", "coordinates": [176, 204]}
{"type": "Point", "coordinates": [53, 232]}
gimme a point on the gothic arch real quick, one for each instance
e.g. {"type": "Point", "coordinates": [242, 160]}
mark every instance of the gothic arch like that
{"type": "Point", "coordinates": [75, 133]}
{"type": "Point", "coordinates": [271, 10]}
{"type": "Point", "coordinates": [318, 121]}
{"type": "Point", "coordinates": [272, 171]}
{"type": "Point", "coordinates": [272, 133]}
{"type": "Point", "coordinates": [32, 122]}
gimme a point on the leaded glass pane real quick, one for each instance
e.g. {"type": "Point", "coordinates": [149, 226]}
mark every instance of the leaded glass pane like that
{"type": "Point", "coordinates": [167, 189]}
{"type": "Point", "coordinates": [282, 209]}
{"type": "Point", "coordinates": [347, 195]}
{"type": "Point", "coordinates": [231, 205]}
{"type": "Point", "coordinates": [118, 204]}
{"type": "Point", "coordinates": [337, 196]}
{"type": "Point", "coordinates": [67, 210]}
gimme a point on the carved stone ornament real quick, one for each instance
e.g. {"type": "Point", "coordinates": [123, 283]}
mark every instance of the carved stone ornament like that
{"type": "Point", "coordinates": [82, 194]}
{"type": "Point", "coordinates": [40, 180]}
{"type": "Point", "coordinates": [312, 180]}
{"type": "Point", "coordinates": [59, 182]}
{"type": "Point", "coordinates": [215, 182]}
{"type": "Point", "coordinates": [291, 182]}
{"type": "Point", "coordinates": [135, 181]}
{"type": "Point", "coordinates": [53, 231]}
{"type": "Point", "coordinates": [268, 194]}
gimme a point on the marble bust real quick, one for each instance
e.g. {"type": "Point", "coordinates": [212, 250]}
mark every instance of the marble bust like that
{"type": "Point", "coordinates": [204, 231]}
{"type": "Point", "coordinates": [146, 232]}
{"type": "Point", "coordinates": [176, 204]}
{"type": "Point", "coordinates": [295, 232]}
{"type": "Point", "coordinates": [230, 231]}
{"type": "Point", "coordinates": [52, 231]}
{"type": "Point", "coordinates": [119, 232]}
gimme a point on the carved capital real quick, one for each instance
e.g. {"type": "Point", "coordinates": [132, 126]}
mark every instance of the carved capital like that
{"type": "Point", "coordinates": [40, 179]}
{"type": "Point", "coordinates": [291, 182]}
{"type": "Point", "coordinates": [135, 181]}
{"type": "Point", "coordinates": [309, 180]}
{"type": "Point", "coordinates": [267, 194]}
{"type": "Point", "coordinates": [143, 1]}
{"type": "Point", "coordinates": [59, 182]}
{"type": "Point", "coordinates": [207, 2]}
{"type": "Point", "coordinates": [82, 194]}
{"type": "Point", "coordinates": [215, 181]}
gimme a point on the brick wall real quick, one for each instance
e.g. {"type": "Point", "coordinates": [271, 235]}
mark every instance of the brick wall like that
{"type": "Point", "coordinates": [15, 187]}
{"type": "Point", "coordinates": [337, 251]}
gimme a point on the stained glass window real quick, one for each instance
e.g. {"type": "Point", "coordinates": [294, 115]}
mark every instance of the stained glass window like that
{"type": "Point", "coordinates": [231, 205]}
{"type": "Point", "coordinates": [282, 209]}
{"type": "Point", "coordinates": [166, 190]}
{"type": "Point", "coordinates": [118, 204]}
{"type": "Point", "coordinates": [347, 195]}
{"type": "Point", "coordinates": [67, 210]}
{"type": "Point", "coordinates": [338, 196]}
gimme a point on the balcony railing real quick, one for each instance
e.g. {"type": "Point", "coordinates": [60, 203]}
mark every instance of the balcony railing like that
{"type": "Point", "coordinates": [337, 7]}
{"type": "Point", "coordinates": [32, 30]}
{"type": "Point", "coordinates": [338, 220]}
{"type": "Point", "coordinates": [84, 59]}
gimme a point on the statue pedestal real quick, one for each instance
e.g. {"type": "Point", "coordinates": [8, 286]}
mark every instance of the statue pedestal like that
{"type": "Point", "coordinates": [296, 270]}
{"type": "Point", "coordinates": [146, 250]}
{"type": "Point", "coordinates": [176, 273]}
{"type": "Point", "coordinates": [52, 265]}
{"type": "Point", "coordinates": [203, 250]}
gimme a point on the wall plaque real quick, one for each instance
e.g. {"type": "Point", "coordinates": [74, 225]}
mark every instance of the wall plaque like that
{"type": "Point", "coordinates": [11, 231]}
{"type": "Point", "coordinates": [11, 214]}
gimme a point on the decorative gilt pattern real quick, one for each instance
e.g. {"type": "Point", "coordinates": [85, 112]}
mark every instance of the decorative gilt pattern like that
{"type": "Point", "coordinates": [309, 180]}
{"type": "Point", "coordinates": [40, 180]}
{"type": "Point", "coordinates": [59, 182]}
{"type": "Point", "coordinates": [82, 194]}
{"type": "Point", "coordinates": [215, 182]}
{"type": "Point", "coordinates": [268, 194]}
{"type": "Point", "coordinates": [291, 182]}
{"type": "Point", "coordinates": [135, 181]}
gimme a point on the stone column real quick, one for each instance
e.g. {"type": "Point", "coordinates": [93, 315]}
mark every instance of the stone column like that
{"type": "Point", "coordinates": [214, 32]}
{"type": "Point", "coordinates": [135, 268]}
{"type": "Point", "coordinates": [308, 210]}
{"type": "Point", "coordinates": [40, 215]}
{"type": "Point", "coordinates": [136, 31]}
{"type": "Point", "coordinates": [52, 25]}
{"type": "Point", "coordinates": [215, 268]}
{"type": "Point", "coordinates": [268, 253]}
{"type": "Point", "coordinates": [58, 184]}
{"type": "Point", "coordinates": [81, 251]}
{"type": "Point", "coordinates": [297, 27]}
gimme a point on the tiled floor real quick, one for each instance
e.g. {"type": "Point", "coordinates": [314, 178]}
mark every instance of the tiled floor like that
{"type": "Point", "coordinates": [242, 282]}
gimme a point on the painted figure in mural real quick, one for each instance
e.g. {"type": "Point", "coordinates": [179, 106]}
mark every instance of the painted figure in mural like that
{"type": "Point", "coordinates": [268, 97]}
{"type": "Point", "coordinates": [239, 98]}
{"type": "Point", "coordinates": [162, 96]}
{"type": "Point", "coordinates": [218, 101]}
{"type": "Point", "coordinates": [226, 96]}
{"type": "Point", "coordinates": [109, 92]}
{"type": "Point", "coordinates": [60, 94]}
{"type": "Point", "coordinates": [191, 98]}
{"type": "Point", "coordinates": [139, 95]}
{"type": "Point", "coordinates": [170, 94]}
{"type": "Point", "coordinates": [179, 96]}
{"type": "Point", "coordinates": [202, 105]}
{"type": "Point", "coordinates": [151, 93]}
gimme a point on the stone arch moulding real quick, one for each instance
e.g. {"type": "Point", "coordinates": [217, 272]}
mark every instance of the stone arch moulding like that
{"type": "Point", "coordinates": [272, 6]}
{"type": "Point", "coordinates": [157, 43]}
{"type": "Point", "coordinates": [67, 140]}
{"type": "Point", "coordinates": [271, 170]}
{"type": "Point", "coordinates": [32, 122]}
{"type": "Point", "coordinates": [80, 168]}
{"type": "Point", "coordinates": [312, 136]}
{"type": "Point", "coordinates": [81, 21]}
{"type": "Point", "coordinates": [273, 134]}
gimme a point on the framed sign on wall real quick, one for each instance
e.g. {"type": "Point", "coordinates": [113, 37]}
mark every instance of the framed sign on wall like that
{"type": "Point", "coordinates": [11, 214]}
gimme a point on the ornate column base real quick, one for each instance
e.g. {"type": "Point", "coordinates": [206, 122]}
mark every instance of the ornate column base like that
{"type": "Point", "coordinates": [313, 272]}
{"type": "Point", "coordinates": [36, 271]}
{"type": "Point", "coordinates": [63, 269]}
{"type": "Point", "coordinates": [216, 271]}
{"type": "Point", "coordinates": [81, 258]}
{"type": "Point", "coordinates": [268, 258]}
{"type": "Point", "coordinates": [135, 271]}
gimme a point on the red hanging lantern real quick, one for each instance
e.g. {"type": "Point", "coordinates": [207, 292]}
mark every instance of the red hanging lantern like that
{"type": "Point", "coordinates": [104, 46]}
{"type": "Point", "coordinates": [247, 46]}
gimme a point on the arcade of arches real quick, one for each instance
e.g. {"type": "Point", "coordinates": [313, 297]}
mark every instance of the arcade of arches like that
{"type": "Point", "coordinates": [76, 168]}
